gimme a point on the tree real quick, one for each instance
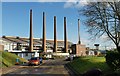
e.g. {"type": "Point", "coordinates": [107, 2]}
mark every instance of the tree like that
{"type": "Point", "coordinates": [103, 18]}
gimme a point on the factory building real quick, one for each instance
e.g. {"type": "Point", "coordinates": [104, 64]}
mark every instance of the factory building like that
{"type": "Point", "coordinates": [20, 46]}
{"type": "Point", "coordinates": [30, 45]}
{"type": "Point", "coordinates": [12, 43]}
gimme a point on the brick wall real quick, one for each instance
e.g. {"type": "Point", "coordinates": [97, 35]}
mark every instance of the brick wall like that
{"type": "Point", "coordinates": [79, 50]}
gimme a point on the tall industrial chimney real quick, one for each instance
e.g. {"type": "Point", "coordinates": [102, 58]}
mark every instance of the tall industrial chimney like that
{"type": "Point", "coordinates": [55, 36]}
{"type": "Point", "coordinates": [65, 36]}
{"type": "Point", "coordinates": [31, 33]}
{"type": "Point", "coordinates": [79, 42]}
{"type": "Point", "coordinates": [44, 33]}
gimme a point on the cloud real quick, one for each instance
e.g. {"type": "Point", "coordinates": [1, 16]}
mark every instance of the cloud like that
{"type": "Point", "coordinates": [69, 4]}
{"type": "Point", "coordinates": [75, 3]}
{"type": "Point", "coordinates": [80, 3]}
{"type": "Point", "coordinates": [104, 38]}
{"type": "Point", "coordinates": [85, 41]}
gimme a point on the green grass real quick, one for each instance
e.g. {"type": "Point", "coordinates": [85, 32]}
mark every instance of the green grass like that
{"type": "Point", "coordinates": [9, 59]}
{"type": "Point", "coordinates": [83, 64]}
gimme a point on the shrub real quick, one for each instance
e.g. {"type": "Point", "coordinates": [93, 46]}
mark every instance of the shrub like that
{"type": "Point", "coordinates": [113, 60]}
{"type": "Point", "coordinates": [101, 55]}
{"type": "Point", "coordinates": [96, 52]}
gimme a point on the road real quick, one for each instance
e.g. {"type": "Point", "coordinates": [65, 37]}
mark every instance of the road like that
{"type": "Point", "coordinates": [49, 68]}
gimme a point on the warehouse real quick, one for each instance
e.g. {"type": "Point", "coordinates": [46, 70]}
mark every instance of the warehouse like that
{"type": "Point", "coordinates": [12, 43]}
{"type": "Point", "coordinates": [20, 46]}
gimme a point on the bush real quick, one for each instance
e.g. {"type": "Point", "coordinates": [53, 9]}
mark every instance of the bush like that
{"type": "Point", "coordinates": [101, 55]}
{"type": "Point", "coordinates": [96, 52]}
{"type": "Point", "coordinates": [113, 60]}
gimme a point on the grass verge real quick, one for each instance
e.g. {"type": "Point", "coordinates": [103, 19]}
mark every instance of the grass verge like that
{"type": "Point", "coordinates": [83, 64]}
{"type": "Point", "coordinates": [9, 59]}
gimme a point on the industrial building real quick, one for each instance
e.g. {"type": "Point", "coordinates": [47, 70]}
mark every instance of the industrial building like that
{"type": "Point", "coordinates": [20, 46]}
{"type": "Point", "coordinates": [24, 46]}
{"type": "Point", "coordinates": [12, 43]}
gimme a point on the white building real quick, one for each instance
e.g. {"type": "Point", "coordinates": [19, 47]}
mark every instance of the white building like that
{"type": "Point", "coordinates": [20, 46]}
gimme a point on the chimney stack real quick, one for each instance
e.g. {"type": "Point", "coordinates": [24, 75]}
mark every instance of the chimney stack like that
{"type": "Point", "coordinates": [79, 42]}
{"type": "Point", "coordinates": [65, 36]}
{"type": "Point", "coordinates": [55, 36]}
{"type": "Point", "coordinates": [44, 33]}
{"type": "Point", "coordinates": [31, 33]}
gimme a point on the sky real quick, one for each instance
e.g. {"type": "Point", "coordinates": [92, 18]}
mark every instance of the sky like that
{"type": "Point", "coordinates": [15, 20]}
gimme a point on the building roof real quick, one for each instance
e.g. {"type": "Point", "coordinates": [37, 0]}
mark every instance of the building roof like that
{"type": "Point", "coordinates": [36, 41]}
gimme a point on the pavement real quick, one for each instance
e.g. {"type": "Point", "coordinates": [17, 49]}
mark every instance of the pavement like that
{"type": "Point", "coordinates": [9, 69]}
{"type": "Point", "coordinates": [6, 70]}
{"type": "Point", "coordinates": [49, 67]}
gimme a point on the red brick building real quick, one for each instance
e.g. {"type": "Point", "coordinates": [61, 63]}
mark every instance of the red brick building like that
{"type": "Point", "coordinates": [79, 49]}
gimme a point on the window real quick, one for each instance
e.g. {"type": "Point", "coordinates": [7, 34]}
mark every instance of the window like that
{"type": "Point", "coordinates": [26, 54]}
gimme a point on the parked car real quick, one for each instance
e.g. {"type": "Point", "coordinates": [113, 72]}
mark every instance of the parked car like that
{"type": "Point", "coordinates": [71, 57]}
{"type": "Point", "coordinates": [67, 58]}
{"type": "Point", "coordinates": [34, 61]}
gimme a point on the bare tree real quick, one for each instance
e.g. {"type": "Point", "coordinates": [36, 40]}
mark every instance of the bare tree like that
{"type": "Point", "coordinates": [103, 18]}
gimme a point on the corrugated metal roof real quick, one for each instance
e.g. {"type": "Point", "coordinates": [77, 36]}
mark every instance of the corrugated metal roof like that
{"type": "Point", "coordinates": [36, 41]}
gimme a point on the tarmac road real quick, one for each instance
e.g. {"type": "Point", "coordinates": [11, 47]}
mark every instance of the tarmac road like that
{"type": "Point", "coordinates": [49, 68]}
